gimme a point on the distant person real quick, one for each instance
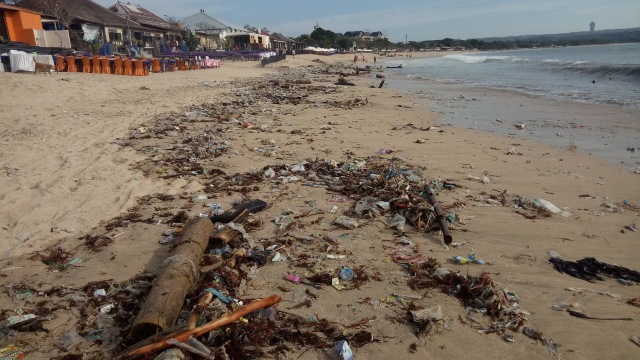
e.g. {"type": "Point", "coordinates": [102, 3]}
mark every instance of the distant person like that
{"type": "Point", "coordinates": [355, 58]}
{"type": "Point", "coordinates": [374, 60]}
{"type": "Point", "coordinates": [293, 53]}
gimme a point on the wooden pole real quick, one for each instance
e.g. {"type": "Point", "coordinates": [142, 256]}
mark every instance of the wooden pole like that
{"type": "Point", "coordinates": [210, 326]}
{"type": "Point", "coordinates": [440, 216]}
{"type": "Point", "coordinates": [180, 272]}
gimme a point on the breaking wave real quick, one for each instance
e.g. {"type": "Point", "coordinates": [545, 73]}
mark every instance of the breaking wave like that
{"type": "Point", "coordinates": [631, 71]}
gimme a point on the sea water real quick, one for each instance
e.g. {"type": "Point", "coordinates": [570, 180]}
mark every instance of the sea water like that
{"type": "Point", "coordinates": [592, 74]}
{"type": "Point", "coordinates": [586, 97]}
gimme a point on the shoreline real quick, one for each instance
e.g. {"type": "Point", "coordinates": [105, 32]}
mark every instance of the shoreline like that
{"type": "Point", "coordinates": [602, 130]}
{"type": "Point", "coordinates": [73, 167]}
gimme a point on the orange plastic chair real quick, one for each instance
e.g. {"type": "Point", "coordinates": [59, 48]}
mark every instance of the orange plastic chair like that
{"type": "Point", "coordinates": [106, 67]}
{"type": "Point", "coordinates": [71, 64]}
{"type": "Point", "coordinates": [156, 67]}
{"type": "Point", "coordinates": [60, 65]}
{"type": "Point", "coordinates": [96, 68]}
{"type": "Point", "coordinates": [119, 66]}
{"type": "Point", "coordinates": [128, 67]}
{"type": "Point", "coordinates": [138, 69]}
{"type": "Point", "coordinates": [86, 65]}
{"type": "Point", "coordinates": [173, 65]}
{"type": "Point", "coordinates": [193, 64]}
{"type": "Point", "coordinates": [182, 66]}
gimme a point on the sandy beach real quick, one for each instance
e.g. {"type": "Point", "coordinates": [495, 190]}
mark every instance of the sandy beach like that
{"type": "Point", "coordinates": [95, 167]}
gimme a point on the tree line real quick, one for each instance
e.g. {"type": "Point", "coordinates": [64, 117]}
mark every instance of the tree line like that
{"type": "Point", "coordinates": [328, 39]}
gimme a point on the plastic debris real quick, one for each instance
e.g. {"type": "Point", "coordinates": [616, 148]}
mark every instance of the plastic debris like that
{"type": "Point", "coordinates": [269, 173]}
{"type": "Point", "coordinates": [106, 309]}
{"type": "Point", "coordinates": [470, 258]}
{"type": "Point", "coordinates": [342, 351]}
{"type": "Point", "coordinates": [542, 203]}
{"type": "Point", "coordinates": [346, 274]}
{"type": "Point", "coordinates": [278, 257]}
{"type": "Point", "coordinates": [224, 298]}
{"type": "Point", "coordinates": [335, 282]}
{"type": "Point", "coordinates": [99, 292]}
{"type": "Point", "coordinates": [293, 278]}
{"type": "Point", "coordinates": [347, 222]}
{"type": "Point", "coordinates": [11, 352]}
{"type": "Point", "coordinates": [171, 354]}
{"type": "Point", "coordinates": [17, 319]}
{"type": "Point", "coordinates": [397, 221]}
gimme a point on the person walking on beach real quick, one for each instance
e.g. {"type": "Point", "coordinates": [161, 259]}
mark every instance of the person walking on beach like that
{"type": "Point", "coordinates": [293, 53]}
{"type": "Point", "coordinates": [374, 60]}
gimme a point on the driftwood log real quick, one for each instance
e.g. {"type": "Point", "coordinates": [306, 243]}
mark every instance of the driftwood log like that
{"type": "Point", "coordinates": [343, 81]}
{"type": "Point", "coordinates": [440, 216]}
{"type": "Point", "coordinates": [180, 272]}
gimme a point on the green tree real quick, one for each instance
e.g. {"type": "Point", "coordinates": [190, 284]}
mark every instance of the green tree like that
{"type": "Point", "coordinates": [344, 43]}
{"type": "Point", "coordinates": [323, 38]}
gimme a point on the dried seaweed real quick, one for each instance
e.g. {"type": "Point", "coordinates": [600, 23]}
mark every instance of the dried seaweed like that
{"type": "Point", "coordinates": [589, 269]}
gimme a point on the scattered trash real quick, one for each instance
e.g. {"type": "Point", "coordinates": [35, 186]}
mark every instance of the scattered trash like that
{"type": "Point", "coordinates": [346, 274]}
{"type": "Point", "coordinates": [342, 351]}
{"type": "Point", "coordinates": [293, 278]}
{"type": "Point", "coordinates": [635, 340]}
{"type": "Point", "coordinates": [99, 293]}
{"type": "Point", "coordinates": [224, 298]}
{"type": "Point", "coordinates": [632, 227]}
{"type": "Point", "coordinates": [541, 203]}
{"type": "Point", "coordinates": [385, 151]}
{"type": "Point", "coordinates": [335, 282]}
{"type": "Point", "coordinates": [347, 222]}
{"type": "Point", "coordinates": [18, 319]}
{"type": "Point", "coordinates": [11, 352]}
{"type": "Point", "coordinates": [398, 221]}
{"type": "Point", "coordinates": [508, 338]}
{"type": "Point", "coordinates": [581, 290]}
{"type": "Point", "coordinates": [278, 257]}
{"type": "Point", "coordinates": [470, 258]}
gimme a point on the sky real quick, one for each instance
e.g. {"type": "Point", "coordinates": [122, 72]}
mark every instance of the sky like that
{"type": "Point", "coordinates": [413, 20]}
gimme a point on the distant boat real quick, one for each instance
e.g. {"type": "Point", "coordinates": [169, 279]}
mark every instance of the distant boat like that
{"type": "Point", "coordinates": [394, 67]}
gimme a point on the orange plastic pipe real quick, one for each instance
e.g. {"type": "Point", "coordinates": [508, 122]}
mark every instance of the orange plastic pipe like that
{"type": "Point", "coordinates": [210, 326]}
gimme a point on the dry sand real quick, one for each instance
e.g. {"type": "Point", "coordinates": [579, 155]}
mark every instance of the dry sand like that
{"type": "Point", "coordinates": [68, 169]}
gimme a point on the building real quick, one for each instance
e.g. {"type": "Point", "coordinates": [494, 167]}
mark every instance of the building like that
{"type": "Point", "coordinates": [19, 24]}
{"type": "Point", "coordinates": [154, 26]}
{"type": "Point", "coordinates": [98, 24]}
{"type": "Point", "coordinates": [212, 32]}
{"type": "Point", "coordinates": [364, 35]}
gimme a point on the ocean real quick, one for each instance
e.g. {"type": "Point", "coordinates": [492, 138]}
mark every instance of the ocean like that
{"type": "Point", "coordinates": [566, 73]}
{"type": "Point", "coordinates": [586, 98]}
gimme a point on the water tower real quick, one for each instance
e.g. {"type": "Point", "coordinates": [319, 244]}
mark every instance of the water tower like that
{"type": "Point", "coordinates": [592, 26]}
